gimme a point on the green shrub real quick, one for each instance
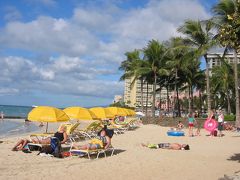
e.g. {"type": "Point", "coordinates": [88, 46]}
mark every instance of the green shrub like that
{"type": "Point", "coordinates": [204, 116]}
{"type": "Point", "coordinates": [229, 117]}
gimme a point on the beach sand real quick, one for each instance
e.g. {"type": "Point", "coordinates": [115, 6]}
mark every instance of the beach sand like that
{"type": "Point", "coordinates": [209, 158]}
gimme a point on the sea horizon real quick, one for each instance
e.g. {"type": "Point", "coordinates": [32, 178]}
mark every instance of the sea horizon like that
{"type": "Point", "coordinates": [21, 111]}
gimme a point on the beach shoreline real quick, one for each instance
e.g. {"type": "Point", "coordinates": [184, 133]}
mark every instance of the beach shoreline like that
{"type": "Point", "coordinates": [208, 158]}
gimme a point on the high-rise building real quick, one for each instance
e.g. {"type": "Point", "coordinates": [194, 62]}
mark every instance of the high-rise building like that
{"type": "Point", "coordinates": [214, 59]}
{"type": "Point", "coordinates": [132, 94]}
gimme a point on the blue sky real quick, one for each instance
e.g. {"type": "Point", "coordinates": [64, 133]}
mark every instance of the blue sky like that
{"type": "Point", "coordinates": [67, 52]}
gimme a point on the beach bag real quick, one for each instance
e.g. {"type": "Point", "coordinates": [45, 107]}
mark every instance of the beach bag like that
{"type": "Point", "coordinates": [56, 147]}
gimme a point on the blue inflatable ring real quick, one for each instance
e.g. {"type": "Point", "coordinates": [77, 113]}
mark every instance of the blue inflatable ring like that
{"type": "Point", "coordinates": [175, 133]}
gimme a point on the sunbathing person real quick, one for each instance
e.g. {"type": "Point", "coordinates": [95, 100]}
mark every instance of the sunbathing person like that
{"type": "Point", "coordinates": [173, 146]}
{"type": "Point", "coordinates": [103, 140]}
{"type": "Point", "coordinates": [61, 135]}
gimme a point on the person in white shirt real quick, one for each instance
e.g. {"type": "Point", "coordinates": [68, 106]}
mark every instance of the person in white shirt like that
{"type": "Point", "coordinates": [220, 123]}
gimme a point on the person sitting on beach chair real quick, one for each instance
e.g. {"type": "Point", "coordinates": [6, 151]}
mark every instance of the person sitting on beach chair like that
{"type": "Point", "coordinates": [172, 146]}
{"type": "Point", "coordinates": [102, 141]}
{"type": "Point", "coordinates": [60, 134]}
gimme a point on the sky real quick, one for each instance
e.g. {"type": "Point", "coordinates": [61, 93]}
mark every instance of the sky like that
{"type": "Point", "coordinates": [67, 52]}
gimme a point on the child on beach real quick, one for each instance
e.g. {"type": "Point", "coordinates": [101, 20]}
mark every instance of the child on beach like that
{"type": "Point", "coordinates": [180, 125]}
{"type": "Point", "coordinates": [191, 122]}
{"type": "Point", "coordinates": [172, 146]}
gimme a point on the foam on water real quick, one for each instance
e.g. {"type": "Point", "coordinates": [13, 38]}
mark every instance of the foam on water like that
{"type": "Point", "coordinates": [10, 128]}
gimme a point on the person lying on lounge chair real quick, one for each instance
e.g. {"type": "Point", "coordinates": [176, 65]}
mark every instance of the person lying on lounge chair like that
{"type": "Point", "coordinates": [173, 146]}
{"type": "Point", "coordinates": [61, 135]}
{"type": "Point", "coordinates": [103, 140]}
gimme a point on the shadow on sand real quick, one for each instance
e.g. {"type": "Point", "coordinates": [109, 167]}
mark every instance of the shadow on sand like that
{"type": "Point", "coordinates": [235, 157]}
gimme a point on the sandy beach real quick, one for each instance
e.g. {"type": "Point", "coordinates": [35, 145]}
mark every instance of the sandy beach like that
{"type": "Point", "coordinates": [209, 158]}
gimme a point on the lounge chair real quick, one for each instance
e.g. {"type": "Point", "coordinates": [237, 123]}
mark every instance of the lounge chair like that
{"type": "Point", "coordinates": [89, 129]}
{"type": "Point", "coordinates": [97, 152]}
{"type": "Point", "coordinates": [71, 136]}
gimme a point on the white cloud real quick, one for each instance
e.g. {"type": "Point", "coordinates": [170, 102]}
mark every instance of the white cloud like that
{"type": "Point", "coordinates": [47, 34]}
{"type": "Point", "coordinates": [64, 75]}
{"type": "Point", "coordinates": [8, 91]}
{"type": "Point", "coordinates": [88, 47]}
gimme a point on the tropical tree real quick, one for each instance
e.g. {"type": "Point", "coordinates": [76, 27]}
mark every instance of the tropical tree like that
{"type": "Point", "coordinates": [154, 55]}
{"type": "Point", "coordinates": [227, 19]}
{"type": "Point", "coordinates": [178, 57]}
{"type": "Point", "coordinates": [199, 34]}
{"type": "Point", "coordinates": [132, 69]}
{"type": "Point", "coordinates": [223, 87]}
{"type": "Point", "coordinates": [194, 78]}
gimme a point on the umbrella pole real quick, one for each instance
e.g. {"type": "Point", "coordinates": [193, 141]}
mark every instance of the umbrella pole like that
{"type": "Point", "coordinates": [47, 127]}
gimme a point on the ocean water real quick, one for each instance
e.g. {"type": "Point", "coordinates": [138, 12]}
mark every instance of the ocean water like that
{"type": "Point", "coordinates": [15, 111]}
{"type": "Point", "coordinates": [16, 127]}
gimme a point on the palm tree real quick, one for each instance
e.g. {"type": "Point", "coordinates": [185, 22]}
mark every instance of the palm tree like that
{"type": "Point", "coordinates": [178, 56]}
{"type": "Point", "coordinates": [131, 68]}
{"type": "Point", "coordinates": [227, 19]}
{"type": "Point", "coordinates": [199, 34]}
{"type": "Point", "coordinates": [194, 78]}
{"type": "Point", "coordinates": [154, 55]}
{"type": "Point", "coordinates": [223, 87]}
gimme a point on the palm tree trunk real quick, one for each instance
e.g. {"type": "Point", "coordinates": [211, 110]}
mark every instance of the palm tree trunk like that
{"type": "Point", "coordinates": [167, 100]}
{"type": "Point", "coordinates": [200, 99]}
{"type": "Point", "coordinates": [154, 95]}
{"type": "Point", "coordinates": [236, 88]}
{"type": "Point", "coordinates": [208, 85]}
{"type": "Point", "coordinates": [189, 100]}
{"type": "Point", "coordinates": [175, 92]}
{"type": "Point", "coordinates": [147, 102]}
{"type": "Point", "coordinates": [160, 102]}
{"type": "Point", "coordinates": [178, 104]}
{"type": "Point", "coordinates": [142, 94]}
{"type": "Point", "coordinates": [228, 104]}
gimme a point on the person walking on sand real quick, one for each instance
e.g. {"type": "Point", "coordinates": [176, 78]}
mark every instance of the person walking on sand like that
{"type": "Point", "coordinates": [220, 122]}
{"type": "Point", "coordinates": [2, 116]}
{"type": "Point", "coordinates": [191, 122]}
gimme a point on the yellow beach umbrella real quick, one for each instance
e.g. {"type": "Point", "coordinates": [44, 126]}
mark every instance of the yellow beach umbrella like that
{"type": "Point", "coordinates": [126, 111]}
{"type": "Point", "coordinates": [116, 111]}
{"type": "Point", "coordinates": [80, 113]}
{"type": "Point", "coordinates": [132, 112]}
{"type": "Point", "coordinates": [102, 113]}
{"type": "Point", "coordinates": [47, 114]}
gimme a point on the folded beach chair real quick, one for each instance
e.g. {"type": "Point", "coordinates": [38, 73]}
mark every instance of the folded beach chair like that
{"type": "Point", "coordinates": [118, 129]}
{"type": "Point", "coordinates": [89, 129]}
